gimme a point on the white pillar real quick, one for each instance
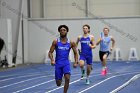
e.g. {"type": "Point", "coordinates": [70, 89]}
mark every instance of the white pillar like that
{"type": "Point", "coordinates": [133, 55]}
{"type": "Point", "coordinates": [9, 45]}
{"type": "Point", "coordinates": [117, 55]}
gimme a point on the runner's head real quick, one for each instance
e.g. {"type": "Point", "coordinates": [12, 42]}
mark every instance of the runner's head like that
{"type": "Point", "coordinates": [63, 30]}
{"type": "Point", "coordinates": [86, 29]}
{"type": "Point", "coordinates": [106, 30]}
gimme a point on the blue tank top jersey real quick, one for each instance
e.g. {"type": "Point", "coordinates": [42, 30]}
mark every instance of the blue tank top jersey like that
{"type": "Point", "coordinates": [62, 52]}
{"type": "Point", "coordinates": [85, 48]}
{"type": "Point", "coordinates": [104, 44]}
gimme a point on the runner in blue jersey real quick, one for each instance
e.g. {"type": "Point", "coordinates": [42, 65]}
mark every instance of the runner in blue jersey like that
{"type": "Point", "coordinates": [62, 46]}
{"type": "Point", "coordinates": [105, 49]}
{"type": "Point", "coordinates": [87, 44]}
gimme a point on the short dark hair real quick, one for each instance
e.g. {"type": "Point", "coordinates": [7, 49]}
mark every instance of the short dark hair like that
{"type": "Point", "coordinates": [86, 26]}
{"type": "Point", "coordinates": [66, 27]}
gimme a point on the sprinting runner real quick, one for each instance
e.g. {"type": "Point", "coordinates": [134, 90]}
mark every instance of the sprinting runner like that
{"type": "Point", "coordinates": [104, 41]}
{"type": "Point", "coordinates": [83, 71]}
{"type": "Point", "coordinates": [87, 44]}
{"type": "Point", "coordinates": [62, 46]}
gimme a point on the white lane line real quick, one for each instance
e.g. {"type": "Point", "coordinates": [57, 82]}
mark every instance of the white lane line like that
{"type": "Point", "coordinates": [22, 81]}
{"type": "Point", "coordinates": [126, 83]}
{"type": "Point", "coordinates": [19, 77]}
{"type": "Point", "coordinates": [69, 84]}
{"type": "Point", "coordinates": [48, 82]}
{"type": "Point", "coordinates": [39, 85]}
{"type": "Point", "coordinates": [95, 84]}
{"type": "Point", "coordinates": [104, 81]}
{"type": "Point", "coordinates": [31, 79]}
{"type": "Point", "coordinates": [4, 76]}
{"type": "Point", "coordinates": [34, 86]}
{"type": "Point", "coordinates": [62, 86]}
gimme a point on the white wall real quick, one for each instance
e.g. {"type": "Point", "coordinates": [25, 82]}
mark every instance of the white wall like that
{"type": "Point", "coordinates": [39, 39]}
{"type": "Point", "coordinates": [11, 9]}
{"type": "Point", "coordinates": [63, 9]}
{"type": "Point", "coordinates": [36, 8]}
{"type": "Point", "coordinates": [6, 35]}
{"type": "Point", "coordinates": [77, 8]}
{"type": "Point", "coordinates": [14, 9]}
{"type": "Point", "coordinates": [114, 8]}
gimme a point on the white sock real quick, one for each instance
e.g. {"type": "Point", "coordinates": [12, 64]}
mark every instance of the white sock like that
{"type": "Point", "coordinates": [104, 67]}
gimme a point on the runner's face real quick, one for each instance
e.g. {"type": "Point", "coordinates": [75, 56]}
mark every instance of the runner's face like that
{"type": "Point", "coordinates": [63, 32]}
{"type": "Point", "coordinates": [85, 29]}
{"type": "Point", "coordinates": [106, 31]}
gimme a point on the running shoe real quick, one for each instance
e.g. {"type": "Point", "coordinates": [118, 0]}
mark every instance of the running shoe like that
{"type": "Point", "coordinates": [87, 81]}
{"type": "Point", "coordinates": [104, 72]}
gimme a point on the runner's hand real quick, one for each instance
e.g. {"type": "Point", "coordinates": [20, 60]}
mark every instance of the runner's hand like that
{"type": "Point", "coordinates": [111, 49]}
{"type": "Point", "coordinates": [75, 64]}
{"type": "Point", "coordinates": [52, 63]}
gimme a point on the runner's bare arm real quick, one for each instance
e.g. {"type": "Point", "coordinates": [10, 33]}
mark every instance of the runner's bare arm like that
{"type": "Point", "coordinates": [98, 42]}
{"type": "Point", "coordinates": [73, 46]}
{"type": "Point", "coordinates": [113, 43]}
{"type": "Point", "coordinates": [93, 45]}
{"type": "Point", "coordinates": [50, 54]}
